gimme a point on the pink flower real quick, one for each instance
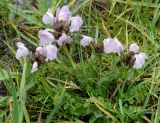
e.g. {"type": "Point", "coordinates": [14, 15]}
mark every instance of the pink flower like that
{"type": "Point", "coordinates": [139, 60]}
{"type": "Point", "coordinates": [62, 39]}
{"type": "Point", "coordinates": [120, 47]}
{"type": "Point", "coordinates": [68, 40]}
{"type": "Point", "coordinates": [109, 46]}
{"type": "Point", "coordinates": [22, 51]}
{"type": "Point", "coordinates": [57, 12]}
{"type": "Point", "coordinates": [34, 67]}
{"type": "Point", "coordinates": [134, 48]}
{"type": "Point", "coordinates": [51, 52]}
{"type": "Point", "coordinates": [48, 51]}
{"type": "Point", "coordinates": [76, 23]}
{"type": "Point", "coordinates": [86, 40]}
{"type": "Point", "coordinates": [40, 51]}
{"type": "Point", "coordinates": [113, 46]}
{"type": "Point", "coordinates": [45, 37]}
{"type": "Point", "coordinates": [48, 17]}
{"type": "Point", "coordinates": [64, 14]}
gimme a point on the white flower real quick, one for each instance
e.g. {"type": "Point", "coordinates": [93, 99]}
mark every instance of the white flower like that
{"type": "Point", "coordinates": [45, 37]}
{"type": "Point", "coordinates": [139, 60]}
{"type": "Point", "coordinates": [76, 23]}
{"type": "Point", "coordinates": [86, 40]}
{"type": "Point", "coordinates": [34, 67]}
{"type": "Point", "coordinates": [113, 46]}
{"type": "Point", "coordinates": [134, 48]}
{"type": "Point", "coordinates": [48, 17]}
{"type": "Point", "coordinates": [22, 51]}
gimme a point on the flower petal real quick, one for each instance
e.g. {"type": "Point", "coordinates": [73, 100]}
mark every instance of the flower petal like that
{"type": "Point", "coordinates": [120, 47]}
{"type": "Point", "coordinates": [40, 51]}
{"type": "Point", "coordinates": [34, 67]}
{"type": "Point", "coordinates": [76, 23]}
{"type": "Point", "coordinates": [45, 37]}
{"type": "Point", "coordinates": [22, 51]}
{"type": "Point", "coordinates": [62, 39]}
{"type": "Point", "coordinates": [51, 52]}
{"type": "Point", "coordinates": [139, 60]}
{"type": "Point", "coordinates": [68, 40]}
{"type": "Point", "coordinates": [58, 11]}
{"type": "Point", "coordinates": [113, 46]}
{"type": "Point", "coordinates": [86, 40]}
{"type": "Point", "coordinates": [134, 48]}
{"type": "Point", "coordinates": [109, 46]}
{"type": "Point", "coordinates": [48, 17]}
{"type": "Point", "coordinates": [64, 14]}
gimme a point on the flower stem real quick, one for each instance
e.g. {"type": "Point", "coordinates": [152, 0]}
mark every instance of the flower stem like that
{"type": "Point", "coordinates": [69, 56]}
{"type": "Point", "coordinates": [22, 92]}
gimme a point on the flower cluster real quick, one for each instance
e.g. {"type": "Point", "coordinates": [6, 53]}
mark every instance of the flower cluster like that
{"type": "Point", "coordinates": [113, 45]}
{"type": "Point", "coordinates": [62, 25]}
{"type": "Point", "coordinates": [133, 57]}
{"type": "Point", "coordinates": [139, 57]}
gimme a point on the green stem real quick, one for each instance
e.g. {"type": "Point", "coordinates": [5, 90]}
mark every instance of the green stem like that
{"type": "Point", "coordinates": [156, 120]}
{"type": "Point", "coordinates": [150, 90]}
{"type": "Point", "coordinates": [22, 94]}
{"type": "Point", "coordinates": [69, 56]}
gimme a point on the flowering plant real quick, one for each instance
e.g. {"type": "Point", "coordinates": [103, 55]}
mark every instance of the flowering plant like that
{"type": "Point", "coordinates": [63, 24]}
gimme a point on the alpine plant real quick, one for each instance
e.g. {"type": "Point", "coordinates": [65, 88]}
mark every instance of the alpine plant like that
{"type": "Point", "coordinates": [63, 24]}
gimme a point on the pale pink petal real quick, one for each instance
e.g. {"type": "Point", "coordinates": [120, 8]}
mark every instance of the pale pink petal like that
{"type": "Point", "coordinates": [109, 46]}
{"type": "Point", "coordinates": [34, 67]}
{"type": "Point", "coordinates": [40, 51]}
{"type": "Point", "coordinates": [134, 48]}
{"type": "Point", "coordinates": [139, 60]}
{"type": "Point", "coordinates": [68, 40]}
{"type": "Point", "coordinates": [22, 51]}
{"type": "Point", "coordinates": [86, 40]}
{"type": "Point", "coordinates": [48, 17]}
{"type": "Point", "coordinates": [62, 39]}
{"type": "Point", "coordinates": [45, 37]}
{"type": "Point", "coordinates": [51, 52]}
{"type": "Point", "coordinates": [76, 23]}
{"type": "Point", "coordinates": [58, 11]}
{"type": "Point", "coordinates": [64, 14]}
{"type": "Point", "coordinates": [120, 47]}
{"type": "Point", "coordinates": [144, 55]}
{"type": "Point", "coordinates": [20, 45]}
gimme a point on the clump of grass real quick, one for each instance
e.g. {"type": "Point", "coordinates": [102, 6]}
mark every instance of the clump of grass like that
{"type": "Point", "coordinates": [99, 88]}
